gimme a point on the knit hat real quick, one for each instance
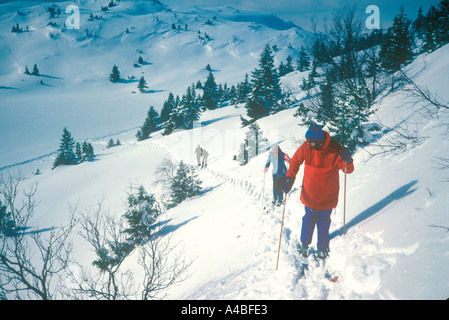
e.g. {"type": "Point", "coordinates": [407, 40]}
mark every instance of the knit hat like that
{"type": "Point", "coordinates": [315, 132]}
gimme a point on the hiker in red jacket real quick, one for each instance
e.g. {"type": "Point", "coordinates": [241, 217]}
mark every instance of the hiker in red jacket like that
{"type": "Point", "coordinates": [322, 158]}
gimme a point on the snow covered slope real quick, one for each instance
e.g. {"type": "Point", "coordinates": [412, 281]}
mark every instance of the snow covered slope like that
{"type": "Point", "coordinates": [397, 227]}
{"type": "Point", "coordinates": [75, 65]}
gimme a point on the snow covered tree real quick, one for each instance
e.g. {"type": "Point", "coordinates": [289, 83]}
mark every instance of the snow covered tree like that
{"type": "Point", "coordinates": [150, 125]}
{"type": "Point", "coordinates": [7, 223]}
{"type": "Point", "coordinates": [168, 107]}
{"type": "Point", "coordinates": [143, 210]}
{"type": "Point", "coordinates": [443, 22]}
{"type": "Point", "coordinates": [191, 108]}
{"type": "Point", "coordinates": [325, 111]}
{"type": "Point", "coordinates": [303, 62]}
{"type": "Point", "coordinates": [66, 154]}
{"type": "Point", "coordinates": [286, 68]}
{"type": "Point", "coordinates": [210, 94]}
{"type": "Point", "coordinates": [142, 85]}
{"type": "Point", "coordinates": [115, 75]}
{"type": "Point", "coordinates": [184, 184]}
{"type": "Point", "coordinates": [251, 145]}
{"type": "Point", "coordinates": [266, 91]}
{"type": "Point", "coordinates": [243, 90]}
{"type": "Point", "coordinates": [349, 120]}
{"type": "Point", "coordinates": [397, 50]}
{"type": "Point", "coordinates": [78, 152]}
{"type": "Point", "coordinates": [88, 151]}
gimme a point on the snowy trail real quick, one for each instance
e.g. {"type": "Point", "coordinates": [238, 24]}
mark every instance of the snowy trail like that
{"type": "Point", "coordinates": [360, 260]}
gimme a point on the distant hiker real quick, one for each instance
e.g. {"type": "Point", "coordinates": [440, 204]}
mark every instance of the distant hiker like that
{"type": "Point", "coordinates": [323, 158]}
{"type": "Point", "coordinates": [278, 159]}
{"type": "Point", "coordinates": [205, 155]}
{"type": "Point", "coordinates": [198, 152]}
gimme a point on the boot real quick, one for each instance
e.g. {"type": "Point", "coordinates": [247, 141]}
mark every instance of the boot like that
{"type": "Point", "coordinates": [303, 250]}
{"type": "Point", "coordinates": [322, 255]}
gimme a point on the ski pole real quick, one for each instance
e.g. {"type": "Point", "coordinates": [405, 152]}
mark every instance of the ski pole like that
{"type": "Point", "coordinates": [263, 192]}
{"type": "Point", "coordinates": [344, 206]}
{"type": "Point", "coordinates": [282, 226]}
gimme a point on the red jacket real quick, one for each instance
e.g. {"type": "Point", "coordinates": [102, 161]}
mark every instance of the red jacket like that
{"type": "Point", "coordinates": [321, 182]}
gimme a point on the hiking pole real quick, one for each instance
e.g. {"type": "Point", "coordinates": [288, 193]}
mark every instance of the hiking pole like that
{"type": "Point", "coordinates": [282, 226]}
{"type": "Point", "coordinates": [344, 205]}
{"type": "Point", "coordinates": [263, 192]}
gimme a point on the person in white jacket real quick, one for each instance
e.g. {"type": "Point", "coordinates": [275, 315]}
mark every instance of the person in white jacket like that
{"type": "Point", "coordinates": [205, 155]}
{"type": "Point", "coordinates": [198, 152]}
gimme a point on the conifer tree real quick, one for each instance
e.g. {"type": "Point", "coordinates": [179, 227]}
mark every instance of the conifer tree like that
{"type": "Point", "coordinates": [266, 91]}
{"type": "Point", "coordinates": [443, 22]}
{"type": "Point", "coordinates": [142, 85]}
{"type": "Point", "coordinates": [190, 108]}
{"type": "Point", "coordinates": [88, 151]}
{"type": "Point", "coordinates": [150, 125]}
{"type": "Point", "coordinates": [7, 223]}
{"type": "Point", "coordinates": [303, 62]}
{"type": "Point", "coordinates": [35, 71]}
{"type": "Point", "coordinates": [348, 122]}
{"type": "Point", "coordinates": [115, 75]}
{"type": "Point", "coordinates": [143, 210]}
{"type": "Point", "coordinates": [184, 184]}
{"type": "Point", "coordinates": [169, 106]}
{"type": "Point", "coordinates": [210, 94]}
{"type": "Point", "coordinates": [397, 51]}
{"type": "Point", "coordinates": [326, 109]}
{"type": "Point", "coordinates": [66, 154]}
{"type": "Point", "coordinates": [78, 152]}
{"type": "Point", "coordinates": [243, 90]}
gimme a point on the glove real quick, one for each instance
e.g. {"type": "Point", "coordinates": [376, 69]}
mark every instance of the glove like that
{"type": "Point", "coordinates": [346, 156]}
{"type": "Point", "coordinates": [288, 184]}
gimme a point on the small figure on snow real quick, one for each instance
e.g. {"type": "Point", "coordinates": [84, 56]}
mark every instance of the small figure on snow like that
{"type": "Point", "coordinates": [278, 159]}
{"type": "Point", "coordinates": [322, 158]}
{"type": "Point", "coordinates": [198, 152]}
{"type": "Point", "coordinates": [205, 155]}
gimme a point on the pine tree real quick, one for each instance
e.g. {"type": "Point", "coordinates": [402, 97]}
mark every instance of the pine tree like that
{"type": "Point", "coordinates": [443, 22]}
{"type": "Point", "coordinates": [397, 51]}
{"type": "Point", "coordinates": [243, 90]}
{"type": "Point", "coordinates": [348, 122]}
{"type": "Point", "coordinates": [210, 94]}
{"type": "Point", "coordinates": [78, 152]}
{"type": "Point", "coordinates": [87, 151]}
{"type": "Point", "coordinates": [184, 184]}
{"type": "Point", "coordinates": [250, 147]}
{"type": "Point", "coordinates": [142, 85]}
{"type": "Point", "coordinates": [7, 223]}
{"type": "Point", "coordinates": [66, 154]}
{"type": "Point", "coordinates": [115, 75]}
{"type": "Point", "coordinates": [326, 109]}
{"type": "Point", "coordinates": [35, 71]}
{"type": "Point", "coordinates": [168, 107]}
{"type": "Point", "coordinates": [150, 125]}
{"type": "Point", "coordinates": [190, 108]}
{"type": "Point", "coordinates": [143, 211]}
{"type": "Point", "coordinates": [286, 68]}
{"type": "Point", "coordinates": [266, 91]}
{"type": "Point", "coordinates": [303, 60]}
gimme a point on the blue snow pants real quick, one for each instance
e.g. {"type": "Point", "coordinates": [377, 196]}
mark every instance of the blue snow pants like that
{"type": "Point", "coordinates": [322, 220]}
